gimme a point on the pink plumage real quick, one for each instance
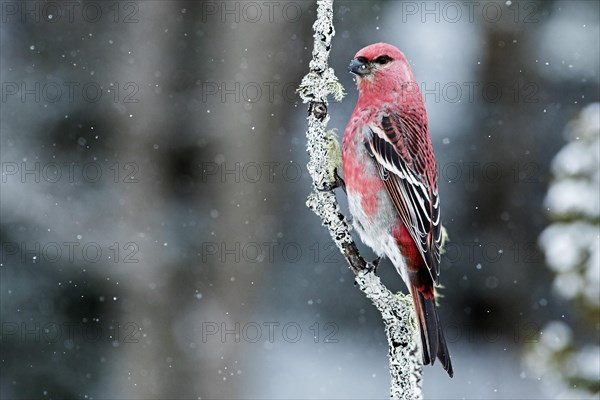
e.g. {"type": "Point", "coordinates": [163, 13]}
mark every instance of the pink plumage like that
{"type": "Point", "coordinates": [391, 181]}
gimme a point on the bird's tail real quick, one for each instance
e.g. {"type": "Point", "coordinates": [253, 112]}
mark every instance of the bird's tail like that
{"type": "Point", "coordinates": [432, 336]}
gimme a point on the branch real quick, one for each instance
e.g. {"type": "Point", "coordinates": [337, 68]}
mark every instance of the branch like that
{"type": "Point", "coordinates": [323, 149]}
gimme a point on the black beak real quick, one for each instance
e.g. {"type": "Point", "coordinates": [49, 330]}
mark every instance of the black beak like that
{"type": "Point", "coordinates": [359, 67]}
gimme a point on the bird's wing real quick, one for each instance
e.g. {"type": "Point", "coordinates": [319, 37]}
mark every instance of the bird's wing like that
{"type": "Point", "coordinates": [405, 161]}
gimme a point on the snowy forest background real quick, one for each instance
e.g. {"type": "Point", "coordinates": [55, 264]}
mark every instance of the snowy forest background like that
{"type": "Point", "coordinates": [154, 237]}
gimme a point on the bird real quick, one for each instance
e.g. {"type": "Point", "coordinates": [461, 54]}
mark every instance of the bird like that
{"type": "Point", "coordinates": [390, 178]}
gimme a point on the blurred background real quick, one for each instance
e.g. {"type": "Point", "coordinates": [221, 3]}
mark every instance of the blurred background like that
{"type": "Point", "coordinates": [155, 241]}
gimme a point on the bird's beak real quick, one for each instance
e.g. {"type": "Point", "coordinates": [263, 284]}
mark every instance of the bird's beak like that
{"type": "Point", "coordinates": [359, 67]}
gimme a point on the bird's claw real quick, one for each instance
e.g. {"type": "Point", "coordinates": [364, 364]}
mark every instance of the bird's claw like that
{"type": "Point", "coordinates": [372, 266]}
{"type": "Point", "coordinates": [337, 182]}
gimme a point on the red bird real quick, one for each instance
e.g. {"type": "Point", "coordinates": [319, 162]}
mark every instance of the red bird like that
{"type": "Point", "coordinates": [391, 181]}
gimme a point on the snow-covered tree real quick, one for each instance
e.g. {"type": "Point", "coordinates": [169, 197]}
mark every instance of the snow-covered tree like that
{"type": "Point", "coordinates": [572, 247]}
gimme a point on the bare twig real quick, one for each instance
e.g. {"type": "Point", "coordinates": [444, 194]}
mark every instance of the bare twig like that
{"type": "Point", "coordinates": [396, 310]}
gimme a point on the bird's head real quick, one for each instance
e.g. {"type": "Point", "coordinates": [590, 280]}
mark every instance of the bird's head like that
{"type": "Point", "coordinates": [380, 66]}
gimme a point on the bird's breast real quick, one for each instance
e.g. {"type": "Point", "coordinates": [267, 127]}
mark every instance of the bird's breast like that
{"type": "Point", "coordinates": [374, 216]}
{"type": "Point", "coordinates": [360, 171]}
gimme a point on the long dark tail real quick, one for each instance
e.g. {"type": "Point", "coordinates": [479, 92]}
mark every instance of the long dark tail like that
{"type": "Point", "coordinates": [432, 335]}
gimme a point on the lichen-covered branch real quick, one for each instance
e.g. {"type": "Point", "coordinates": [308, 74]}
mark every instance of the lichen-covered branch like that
{"type": "Point", "coordinates": [404, 354]}
{"type": "Point", "coordinates": [323, 149]}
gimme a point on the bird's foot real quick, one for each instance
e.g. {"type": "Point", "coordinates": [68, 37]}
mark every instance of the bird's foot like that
{"type": "Point", "coordinates": [372, 266]}
{"type": "Point", "coordinates": [337, 182]}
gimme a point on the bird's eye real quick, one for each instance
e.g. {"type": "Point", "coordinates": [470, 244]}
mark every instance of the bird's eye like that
{"type": "Point", "coordinates": [382, 60]}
